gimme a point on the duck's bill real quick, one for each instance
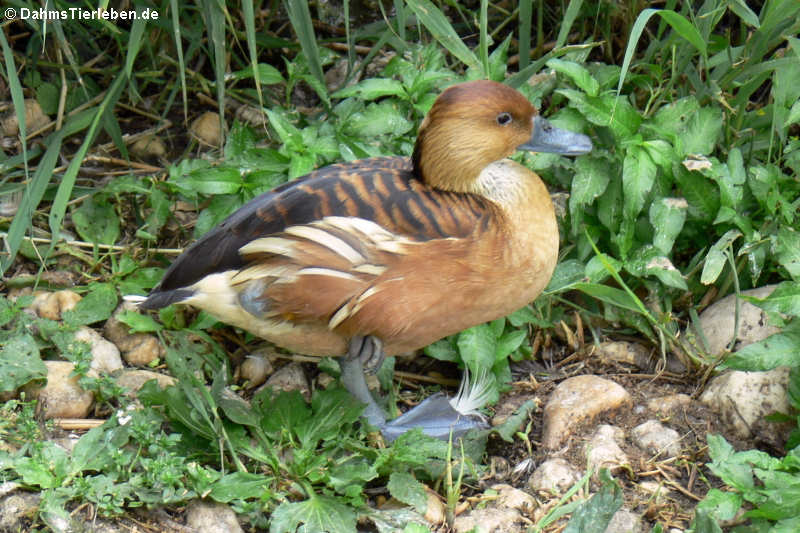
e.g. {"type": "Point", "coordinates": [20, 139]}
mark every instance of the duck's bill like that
{"type": "Point", "coordinates": [548, 138]}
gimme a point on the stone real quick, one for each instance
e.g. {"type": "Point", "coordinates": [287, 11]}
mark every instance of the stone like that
{"type": "Point", "coordinates": [579, 399]}
{"type": "Point", "coordinates": [664, 405]}
{"type": "Point", "coordinates": [51, 305]}
{"type": "Point", "coordinates": [254, 370]}
{"type": "Point", "coordinates": [490, 520]}
{"type": "Point", "coordinates": [743, 399]}
{"type": "Point", "coordinates": [625, 521]}
{"type": "Point", "coordinates": [105, 354]}
{"type": "Point", "coordinates": [554, 475]}
{"type": "Point", "coordinates": [209, 517]}
{"type": "Point", "coordinates": [138, 349]}
{"type": "Point", "coordinates": [17, 508]}
{"type": "Point", "coordinates": [62, 397]}
{"type": "Point", "coordinates": [718, 320]}
{"type": "Point", "coordinates": [603, 450]}
{"type": "Point", "coordinates": [288, 378]}
{"type": "Point", "coordinates": [133, 379]}
{"type": "Point", "coordinates": [206, 129]}
{"type": "Point", "coordinates": [656, 438]}
{"type": "Point", "coordinates": [514, 498]}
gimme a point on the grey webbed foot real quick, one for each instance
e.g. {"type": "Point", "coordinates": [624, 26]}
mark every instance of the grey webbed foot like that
{"type": "Point", "coordinates": [437, 416]}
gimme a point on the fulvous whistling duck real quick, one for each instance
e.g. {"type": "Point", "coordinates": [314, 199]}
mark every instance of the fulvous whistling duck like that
{"type": "Point", "coordinates": [386, 255]}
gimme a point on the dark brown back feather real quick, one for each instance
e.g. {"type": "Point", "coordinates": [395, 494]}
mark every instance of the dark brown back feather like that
{"type": "Point", "coordinates": [381, 189]}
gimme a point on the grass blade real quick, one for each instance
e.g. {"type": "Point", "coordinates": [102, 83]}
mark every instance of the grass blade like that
{"type": "Point", "coordinates": [525, 16]}
{"type": "Point", "coordinates": [300, 17]}
{"type": "Point", "coordinates": [435, 22]}
{"type": "Point", "coordinates": [176, 34]}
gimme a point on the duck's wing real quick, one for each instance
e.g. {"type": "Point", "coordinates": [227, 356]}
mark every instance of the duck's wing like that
{"type": "Point", "coordinates": [330, 225]}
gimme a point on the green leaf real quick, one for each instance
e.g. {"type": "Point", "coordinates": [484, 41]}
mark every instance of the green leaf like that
{"type": "Point", "coordinates": [787, 250]}
{"type": "Point", "coordinates": [780, 349]}
{"type": "Point", "coordinates": [97, 305]}
{"type": "Point", "coordinates": [408, 490]}
{"type": "Point", "coordinates": [442, 350]}
{"type": "Point", "coordinates": [323, 514]}
{"type": "Point", "coordinates": [218, 180]}
{"type": "Point", "coordinates": [721, 505]}
{"type": "Point", "coordinates": [667, 216]}
{"type": "Point", "coordinates": [267, 74]}
{"type": "Point", "coordinates": [785, 299]}
{"type": "Point", "coordinates": [239, 486]}
{"type": "Point", "coordinates": [332, 408]}
{"type": "Point", "coordinates": [610, 295]}
{"type": "Point", "coordinates": [590, 181]}
{"type": "Point", "coordinates": [509, 342]}
{"type": "Point", "coordinates": [702, 132]}
{"type": "Point", "coordinates": [372, 89]}
{"type": "Point", "coordinates": [794, 115]}
{"type": "Point", "coordinates": [379, 119]}
{"type": "Point", "coordinates": [606, 110]}
{"type": "Point", "coordinates": [595, 515]}
{"type": "Point", "coordinates": [20, 363]}
{"type": "Point", "coordinates": [139, 323]}
{"type": "Point", "coordinates": [577, 73]}
{"type": "Point", "coordinates": [435, 22]}
{"type": "Point", "coordinates": [715, 260]}
{"type": "Point", "coordinates": [96, 221]}
{"type": "Point", "coordinates": [565, 275]}
{"type": "Point", "coordinates": [638, 177]}
{"type": "Point", "coordinates": [477, 346]}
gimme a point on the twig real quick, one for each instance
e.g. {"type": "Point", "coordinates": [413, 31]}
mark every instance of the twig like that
{"type": "Point", "coordinates": [111, 247]}
{"type": "Point", "coordinates": [76, 424]}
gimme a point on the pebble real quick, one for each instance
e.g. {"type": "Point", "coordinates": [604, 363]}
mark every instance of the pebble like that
{"type": "Point", "coordinates": [51, 305]}
{"type": "Point", "coordinates": [105, 354]}
{"type": "Point", "coordinates": [434, 511]}
{"type": "Point", "coordinates": [718, 322]}
{"type": "Point", "coordinates": [625, 521]}
{"type": "Point", "coordinates": [514, 498]}
{"type": "Point", "coordinates": [743, 399]}
{"type": "Point", "coordinates": [603, 450]}
{"type": "Point", "coordinates": [138, 349]}
{"type": "Point", "coordinates": [149, 147]}
{"type": "Point", "coordinates": [133, 379]}
{"type": "Point", "coordinates": [209, 517]}
{"type": "Point", "coordinates": [254, 370]}
{"type": "Point", "coordinates": [656, 438]}
{"type": "Point", "coordinates": [205, 129]}
{"type": "Point", "coordinates": [35, 119]}
{"type": "Point", "coordinates": [575, 400]}
{"type": "Point", "coordinates": [16, 508]}
{"type": "Point", "coordinates": [554, 475]}
{"type": "Point", "coordinates": [62, 397]}
{"type": "Point", "coordinates": [288, 378]}
{"type": "Point", "coordinates": [490, 520]}
{"type": "Point", "coordinates": [664, 405]}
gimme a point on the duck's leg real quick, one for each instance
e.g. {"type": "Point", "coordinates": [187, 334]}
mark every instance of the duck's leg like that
{"type": "Point", "coordinates": [361, 350]}
{"type": "Point", "coordinates": [437, 416]}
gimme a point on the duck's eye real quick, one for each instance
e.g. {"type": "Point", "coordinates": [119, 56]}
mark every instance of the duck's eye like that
{"type": "Point", "coordinates": [504, 118]}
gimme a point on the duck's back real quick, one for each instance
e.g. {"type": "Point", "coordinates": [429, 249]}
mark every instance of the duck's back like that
{"type": "Point", "coordinates": [383, 190]}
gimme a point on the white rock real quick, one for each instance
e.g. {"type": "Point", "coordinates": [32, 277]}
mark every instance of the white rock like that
{"type": "Point", "coordinates": [62, 397]}
{"type": "Point", "coordinates": [554, 475]}
{"type": "Point", "coordinates": [625, 521]}
{"type": "Point", "coordinates": [603, 451]}
{"type": "Point", "coordinates": [52, 304]}
{"type": "Point", "coordinates": [138, 349]}
{"type": "Point", "coordinates": [133, 379]}
{"type": "Point", "coordinates": [667, 404]}
{"type": "Point", "coordinates": [657, 439]}
{"type": "Point", "coordinates": [743, 399]}
{"type": "Point", "coordinates": [717, 322]}
{"type": "Point", "coordinates": [575, 400]}
{"type": "Point", "coordinates": [255, 369]}
{"type": "Point", "coordinates": [288, 378]}
{"type": "Point", "coordinates": [490, 520]}
{"type": "Point", "coordinates": [105, 354]}
{"type": "Point", "coordinates": [514, 498]}
{"type": "Point", "coordinates": [16, 509]}
{"type": "Point", "coordinates": [208, 517]}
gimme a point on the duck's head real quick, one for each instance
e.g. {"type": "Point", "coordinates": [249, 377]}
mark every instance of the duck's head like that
{"type": "Point", "coordinates": [474, 124]}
